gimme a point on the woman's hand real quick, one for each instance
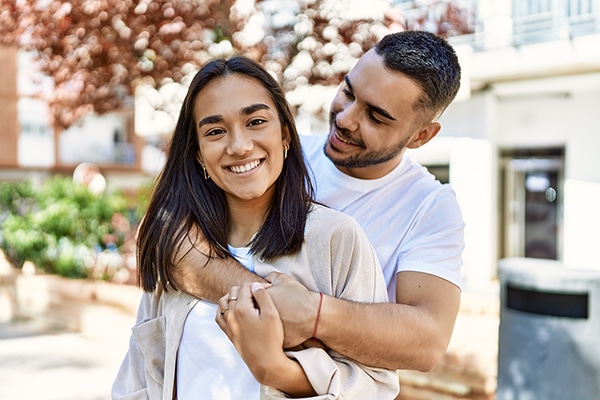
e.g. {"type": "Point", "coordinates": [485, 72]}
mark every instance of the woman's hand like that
{"type": "Point", "coordinates": [250, 319]}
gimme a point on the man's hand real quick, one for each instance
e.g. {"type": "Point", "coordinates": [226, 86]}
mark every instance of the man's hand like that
{"type": "Point", "coordinates": [297, 308]}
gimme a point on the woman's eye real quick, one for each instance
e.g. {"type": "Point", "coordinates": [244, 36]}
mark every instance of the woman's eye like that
{"type": "Point", "coordinates": [214, 132]}
{"type": "Point", "coordinates": [257, 121]}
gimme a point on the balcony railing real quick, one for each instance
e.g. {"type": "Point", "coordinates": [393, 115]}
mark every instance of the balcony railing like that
{"type": "Point", "coordinates": [531, 21]}
{"type": "Point", "coordinates": [538, 21]}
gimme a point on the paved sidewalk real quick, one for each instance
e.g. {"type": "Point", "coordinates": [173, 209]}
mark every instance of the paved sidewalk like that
{"type": "Point", "coordinates": [66, 343]}
{"type": "Point", "coordinates": [41, 363]}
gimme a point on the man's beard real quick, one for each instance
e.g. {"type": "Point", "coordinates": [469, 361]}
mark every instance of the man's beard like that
{"type": "Point", "coordinates": [366, 158]}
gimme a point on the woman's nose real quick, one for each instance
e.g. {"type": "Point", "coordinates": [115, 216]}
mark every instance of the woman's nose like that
{"type": "Point", "coordinates": [240, 142]}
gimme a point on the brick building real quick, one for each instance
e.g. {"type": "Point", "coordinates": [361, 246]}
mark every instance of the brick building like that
{"type": "Point", "coordinates": [9, 132]}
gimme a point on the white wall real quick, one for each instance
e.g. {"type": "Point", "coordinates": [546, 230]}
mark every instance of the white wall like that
{"type": "Point", "coordinates": [472, 175]}
{"type": "Point", "coordinates": [582, 185]}
{"type": "Point", "coordinates": [91, 139]}
{"type": "Point", "coordinates": [36, 140]}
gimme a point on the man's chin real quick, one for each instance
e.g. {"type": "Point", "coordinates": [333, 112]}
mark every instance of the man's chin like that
{"type": "Point", "coordinates": [331, 152]}
{"type": "Point", "coordinates": [335, 158]}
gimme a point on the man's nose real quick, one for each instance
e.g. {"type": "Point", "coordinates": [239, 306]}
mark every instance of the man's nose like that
{"type": "Point", "coordinates": [346, 118]}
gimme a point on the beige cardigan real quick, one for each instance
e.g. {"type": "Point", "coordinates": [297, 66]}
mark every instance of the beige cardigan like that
{"type": "Point", "coordinates": [337, 259]}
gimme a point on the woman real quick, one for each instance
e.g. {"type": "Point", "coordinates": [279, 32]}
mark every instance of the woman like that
{"type": "Point", "coordinates": [235, 169]}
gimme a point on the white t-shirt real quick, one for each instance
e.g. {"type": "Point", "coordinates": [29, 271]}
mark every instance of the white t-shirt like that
{"type": "Point", "coordinates": [412, 220]}
{"type": "Point", "coordinates": [208, 365]}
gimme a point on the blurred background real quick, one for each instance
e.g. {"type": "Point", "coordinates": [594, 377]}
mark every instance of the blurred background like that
{"type": "Point", "coordinates": [89, 94]}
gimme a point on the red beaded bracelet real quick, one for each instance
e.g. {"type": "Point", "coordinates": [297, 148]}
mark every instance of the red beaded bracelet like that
{"type": "Point", "coordinates": [314, 335]}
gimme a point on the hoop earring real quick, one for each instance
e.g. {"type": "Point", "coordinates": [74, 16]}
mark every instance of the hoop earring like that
{"type": "Point", "coordinates": [285, 150]}
{"type": "Point", "coordinates": [206, 176]}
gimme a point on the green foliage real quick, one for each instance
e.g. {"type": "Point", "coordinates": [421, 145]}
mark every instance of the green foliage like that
{"type": "Point", "coordinates": [15, 198]}
{"type": "Point", "coordinates": [61, 227]}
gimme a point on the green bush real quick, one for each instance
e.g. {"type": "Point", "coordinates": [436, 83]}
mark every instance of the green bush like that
{"type": "Point", "coordinates": [15, 198]}
{"type": "Point", "coordinates": [62, 227]}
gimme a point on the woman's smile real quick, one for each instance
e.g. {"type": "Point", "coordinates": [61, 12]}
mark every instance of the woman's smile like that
{"type": "Point", "coordinates": [239, 169]}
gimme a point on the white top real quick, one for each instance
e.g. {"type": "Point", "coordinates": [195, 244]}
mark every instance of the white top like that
{"type": "Point", "coordinates": [412, 220]}
{"type": "Point", "coordinates": [207, 361]}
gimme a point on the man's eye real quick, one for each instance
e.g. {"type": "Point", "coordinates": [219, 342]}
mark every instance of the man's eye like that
{"type": "Point", "coordinates": [348, 93]}
{"type": "Point", "coordinates": [373, 118]}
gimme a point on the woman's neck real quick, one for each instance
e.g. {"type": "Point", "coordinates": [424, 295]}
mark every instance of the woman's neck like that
{"type": "Point", "coordinates": [245, 219]}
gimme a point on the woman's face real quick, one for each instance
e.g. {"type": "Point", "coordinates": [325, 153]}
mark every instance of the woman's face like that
{"type": "Point", "coordinates": [240, 136]}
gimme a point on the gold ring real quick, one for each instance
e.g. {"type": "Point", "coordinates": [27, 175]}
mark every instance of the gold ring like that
{"type": "Point", "coordinates": [234, 298]}
{"type": "Point", "coordinates": [223, 310]}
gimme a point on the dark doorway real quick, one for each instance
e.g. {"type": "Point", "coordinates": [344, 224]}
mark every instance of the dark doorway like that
{"type": "Point", "coordinates": [531, 203]}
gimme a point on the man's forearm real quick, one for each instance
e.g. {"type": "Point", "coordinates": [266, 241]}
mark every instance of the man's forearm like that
{"type": "Point", "coordinates": [208, 279]}
{"type": "Point", "coordinates": [412, 333]}
{"type": "Point", "coordinates": [386, 335]}
{"type": "Point", "coordinates": [212, 281]}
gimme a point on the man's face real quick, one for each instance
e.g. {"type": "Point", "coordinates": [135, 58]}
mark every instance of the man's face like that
{"type": "Point", "coordinates": [372, 119]}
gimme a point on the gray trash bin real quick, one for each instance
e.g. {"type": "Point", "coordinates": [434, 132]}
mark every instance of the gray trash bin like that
{"type": "Point", "coordinates": [549, 338]}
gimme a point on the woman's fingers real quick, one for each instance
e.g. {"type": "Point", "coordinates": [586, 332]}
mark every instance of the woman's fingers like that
{"type": "Point", "coordinates": [224, 306]}
{"type": "Point", "coordinates": [263, 300]}
{"type": "Point", "coordinates": [245, 308]}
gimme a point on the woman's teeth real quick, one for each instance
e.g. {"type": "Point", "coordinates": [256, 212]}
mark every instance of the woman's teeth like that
{"type": "Point", "coordinates": [244, 168]}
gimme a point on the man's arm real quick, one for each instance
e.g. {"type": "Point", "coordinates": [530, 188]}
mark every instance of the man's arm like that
{"type": "Point", "coordinates": [412, 333]}
{"type": "Point", "coordinates": [207, 279]}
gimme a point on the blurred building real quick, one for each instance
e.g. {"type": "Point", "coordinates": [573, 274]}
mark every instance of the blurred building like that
{"type": "Point", "coordinates": [30, 148]}
{"type": "Point", "coordinates": [520, 143]}
{"type": "Point", "coordinates": [9, 132]}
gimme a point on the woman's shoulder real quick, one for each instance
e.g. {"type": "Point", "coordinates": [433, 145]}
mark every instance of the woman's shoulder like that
{"type": "Point", "coordinates": [323, 218]}
{"type": "Point", "coordinates": [323, 211]}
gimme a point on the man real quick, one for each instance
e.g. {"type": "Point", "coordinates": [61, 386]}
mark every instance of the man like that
{"type": "Point", "coordinates": [389, 102]}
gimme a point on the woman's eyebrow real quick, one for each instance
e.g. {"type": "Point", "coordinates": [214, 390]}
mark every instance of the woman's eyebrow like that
{"type": "Point", "coordinates": [211, 119]}
{"type": "Point", "coordinates": [254, 107]}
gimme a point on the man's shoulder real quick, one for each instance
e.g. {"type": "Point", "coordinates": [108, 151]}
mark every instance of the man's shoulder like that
{"type": "Point", "coordinates": [409, 191]}
{"type": "Point", "coordinates": [419, 179]}
{"type": "Point", "coordinates": [312, 144]}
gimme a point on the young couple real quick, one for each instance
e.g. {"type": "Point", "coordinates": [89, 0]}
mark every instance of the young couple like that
{"type": "Point", "coordinates": [234, 208]}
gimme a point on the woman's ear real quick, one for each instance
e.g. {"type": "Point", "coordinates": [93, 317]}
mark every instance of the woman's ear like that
{"type": "Point", "coordinates": [285, 136]}
{"type": "Point", "coordinates": [425, 134]}
{"type": "Point", "coordinates": [199, 159]}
